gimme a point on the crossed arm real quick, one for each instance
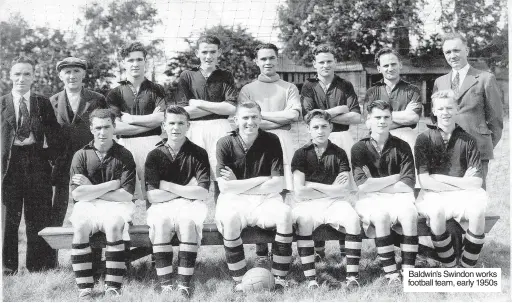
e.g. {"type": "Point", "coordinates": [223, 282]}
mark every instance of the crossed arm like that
{"type": "Point", "coordinates": [199, 108]}
{"type": "Point", "coordinates": [389, 184]}
{"type": "Point", "coordinates": [169, 190]}
{"type": "Point", "coordinates": [439, 182]}
{"type": "Point", "coordinates": [342, 115]}
{"type": "Point", "coordinates": [228, 183]}
{"type": "Point", "coordinates": [313, 190]}
{"type": "Point", "coordinates": [407, 116]}
{"type": "Point", "coordinates": [129, 124]}
{"type": "Point", "coordinates": [109, 191]}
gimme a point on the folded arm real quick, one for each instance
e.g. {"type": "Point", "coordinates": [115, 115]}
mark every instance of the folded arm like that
{"type": "Point", "coordinates": [87, 191]}
{"type": "Point", "coordinates": [281, 117]}
{"type": "Point", "coordinates": [240, 186]}
{"type": "Point", "coordinates": [123, 128]}
{"type": "Point", "coordinates": [193, 192]}
{"type": "Point", "coordinates": [160, 195]}
{"type": "Point", "coordinates": [460, 182]}
{"type": "Point", "coordinates": [220, 108]}
{"type": "Point", "coordinates": [398, 187]}
{"type": "Point", "coordinates": [427, 182]}
{"type": "Point", "coordinates": [377, 184]}
{"type": "Point", "coordinates": [273, 185]}
{"type": "Point", "coordinates": [151, 121]}
{"type": "Point", "coordinates": [118, 195]}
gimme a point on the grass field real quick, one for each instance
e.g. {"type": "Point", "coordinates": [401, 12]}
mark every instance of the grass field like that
{"type": "Point", "coordinates": [213, 283]}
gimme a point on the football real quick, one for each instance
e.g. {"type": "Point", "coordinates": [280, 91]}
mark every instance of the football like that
{"type": "Point", "coordinates": [258, 279]}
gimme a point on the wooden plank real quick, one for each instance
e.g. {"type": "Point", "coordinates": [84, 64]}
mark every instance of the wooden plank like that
{"type": "Point", "coordinates": [61, 237]}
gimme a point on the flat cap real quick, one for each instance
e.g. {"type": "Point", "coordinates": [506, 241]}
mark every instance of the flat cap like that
{"type": "Point", "coordinates": [71, 62]}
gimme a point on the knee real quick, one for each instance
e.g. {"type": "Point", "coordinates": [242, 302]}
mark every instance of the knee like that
{"type": "Point", "coordinates": [82, 228]}
{"type": "Point", "coordinates": [231, 221]}
{"type": "Point", "coordinates": [380, 218]}
{"type": "Point", "coordinates": [186, 227]}
{"type": "Point", "coordinates": [476, 212]}
{"type": "Point", "coordinates": [352, 224]}
{"type": "Point", "coordinates": [161, 225]}
{"type": "Point", "coordinates": [114, 225]}
{"type": "Point", "coordinates": [284, 215]}
{"type": "Point", "coordinates": [437, 216]}
{"type": "Point", "coordinates": [304, 225]}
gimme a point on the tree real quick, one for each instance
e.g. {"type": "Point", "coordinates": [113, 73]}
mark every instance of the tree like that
{"type": "Point", "coordinates": [45, 46]}
{"type": "Point", "coordinates": [106, 30]}
{"type": "Point", "coordinates": [237, 51]}
{"type": "Point", "coordinates": [352, 27]}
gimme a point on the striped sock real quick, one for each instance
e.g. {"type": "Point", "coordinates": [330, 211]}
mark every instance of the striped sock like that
{"type": "Point", "coordinates": [319, 246]}
{"type": "Point", "coordinates": [472, 246]}
{"type": "Point", "coordinates": [305, 246]}
{"type": "Point", "coordinates": [186, 262]}
{"type": "Point", "coordinates": [115, 264]}
{"type": "Point", "coordinates": [81, 259]}
{"type": "Point", "coordinates": [343, 252]}
{"type": "Point", "coordinates": [127, 253]}
{"type": "Point", "coordinates": [386, 253]}
{"type": "Point", "coordinates": [409, 247]}
{"type": "Point", "coordinates": [353, 251]}
{"type": "Point", "coordinates": [443, 246]}
{"type": "Point", "coordinates": [282, 256]}
{"type": "Point", "coordinates": [235, 258]}
{"type": "Point", "coordinates": [163, 262]}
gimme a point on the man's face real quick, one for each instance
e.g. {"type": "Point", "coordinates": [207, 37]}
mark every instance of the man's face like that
{"type": "Point", "coordinates": [445, 110]}
{"type": "Point", "coordinates": [248, 120]}
{"type": "Point", "coordinates": [455, 53]}
{"type": "Point", "coordinates": [22, 76]}
{"type": "Point", "coordinates": [324, 64]}
{"type": "Point", "coordinates": [135, 64]}
{"type": "Point", "coordinates": [389, 66]}
{"type": "Point", "coordinates": [319, 129]}
{"type": "Point", "coordinates": [267, 60]}
{"type": "Point", "coordinates": [72, 77]}
{"type": "Point", "coordinates": [102, 130]}
{"type": "Point", "coordinates": [379, 121]}
{"type": "Point", "coordinates": [176, 126]}
{"type": "Point", "coordinates": [208, 54]}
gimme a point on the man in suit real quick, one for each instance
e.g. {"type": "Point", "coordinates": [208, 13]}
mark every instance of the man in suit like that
{"type": "Point", "coordinates": [27, 119]}
{"type": "Point", "coordinates": [72, 107]}
{"type": "Point", "coordinates": [478, 98]}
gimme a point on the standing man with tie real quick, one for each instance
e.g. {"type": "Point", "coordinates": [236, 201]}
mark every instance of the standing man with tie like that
{"type": "Point", "coordinates": [27, 119]}
{"type": "Point", "coordinates": [478, 98]}
{"type": "Point", "coordinates": [72, 107]}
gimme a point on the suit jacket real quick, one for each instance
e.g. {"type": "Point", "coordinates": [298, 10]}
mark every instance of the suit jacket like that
{"type": "Point", "coordinates": [75, 133]}
{"type": "Point", "coordinates": [44, 126]}
{"type": "Point", "coordinates": [480, 108]}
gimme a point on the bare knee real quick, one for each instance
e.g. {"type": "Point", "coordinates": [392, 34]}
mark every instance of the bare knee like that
{"type": "Point", "coordinates": [304, 225]}
{"type": "Point", "coordinates": [82, 231]}
{"type": "Point", "coordinates": [114, 226]}
{"type": "Point", "coordinates": [380, 219]}
{"type": "Point", "coordinates": [352, 224]}
{"type": "Point", "coordinates": [187, 229]}
{"type": "Point", "coordinates": [231, 225]}
{"type": "Point", "coordinates": [284, 215]}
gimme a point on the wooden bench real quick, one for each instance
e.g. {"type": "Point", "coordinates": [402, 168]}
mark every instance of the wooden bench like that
{"type": "Point", "coordinates": [61, 237]}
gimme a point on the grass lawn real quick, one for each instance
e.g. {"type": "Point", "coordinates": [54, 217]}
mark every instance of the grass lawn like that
{"type": "Point", "coordinates": [213, 283]}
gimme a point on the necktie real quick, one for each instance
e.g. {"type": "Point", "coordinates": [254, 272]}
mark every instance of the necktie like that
{"type": "Point", "coordinates": [24, 121]}
{"type": "Point", "coordinates": [455, 84]}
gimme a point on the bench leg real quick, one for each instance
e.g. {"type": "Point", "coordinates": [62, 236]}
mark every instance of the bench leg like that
{"type": "Point", "coordinates": [456, 232]}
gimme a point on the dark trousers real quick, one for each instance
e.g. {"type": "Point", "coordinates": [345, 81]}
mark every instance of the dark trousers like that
{"type": "Point", "coordinates": [27, 186]}
{"type": "Point", "coordinates": [60, 204]}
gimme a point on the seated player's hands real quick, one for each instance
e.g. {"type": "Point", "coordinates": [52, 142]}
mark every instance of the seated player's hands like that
{"type": "Point", "coordinates": [366, 171]}
{"type": "Point", "coordinates": [192, 182]}
{"type": "Point", "coordinates": [227, 174]}
{"type": "Point", "coordinates": [412, 106]}
{"type": "Point", "coordinates": [126, 118]}
{"type": "Point", "coordinates": [470, 172]}
{"type": "Point", "coordinates": [341, 178]}
{"type": "Point", "coordinates": [80, 179]}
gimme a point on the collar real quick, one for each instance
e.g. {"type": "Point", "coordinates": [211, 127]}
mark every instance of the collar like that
{"type": "Point", "coordinates": [310, 145]}
{"type": "Point", "coordinates": [90, 145]}
{"type": "Point", "coordinates": [16, 97]}
{"type": "Point", "coordinates": [400, 82]}
{"type": "Point", "coordinates": [164, 141]}
{"type": "Point", "coordinates": [196, 68]}
{"type": "Point", "coordinates": [267, 79]}
{"type": "Point", "coordinates": [144, 83]}
{"type": "Point", "coordinates": [436, 127]}
{"type": "Point", "coordinates": [462, 72]}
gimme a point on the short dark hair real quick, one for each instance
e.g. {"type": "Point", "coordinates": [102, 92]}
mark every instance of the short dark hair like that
{"type": "Point", "coordinates": [265, 46]}
{"type": "Point", "coordinates": [385, 51]}
{"type": "Point", "coordinates": [102, 113]}
{"type": "Point", "coordinates": [317, 113]}
{"type": "Point", "coordinates": [323, 48]}
{"type": "Point", "coordinates": [22, 59]}
{"type": "Point", "coordinates": [452, 36]}
{"type": "Point", "coordinates": [247, 104]}
{"type": "Point", "coordinates": [133, 47]}
{"type": "Point", "coordinates": [177, 110]}
{"type": "Point", "coordinates": [380, 104]}
{"type": "Point", "coordinates": [209, 40]}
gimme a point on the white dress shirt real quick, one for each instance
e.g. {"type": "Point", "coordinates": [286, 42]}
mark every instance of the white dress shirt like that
{"type": "Point", "coordinates": [462, 74]}
{"type": "Point", "coordinates": [17, 99]}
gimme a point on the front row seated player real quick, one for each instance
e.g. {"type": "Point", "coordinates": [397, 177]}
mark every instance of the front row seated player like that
{"type": "Point", "coordinates": [322, 189]}
{"type": "Point", "coordinates": [177, 176]}
{"type": "Point", "coordinates": [450, 174]}
{"type": "Point", "coordinates": [383, 169]}
{"type": "Point", "coordinates": [250, 176]}
{"type": "Point", "coordinates": [102, 182]}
